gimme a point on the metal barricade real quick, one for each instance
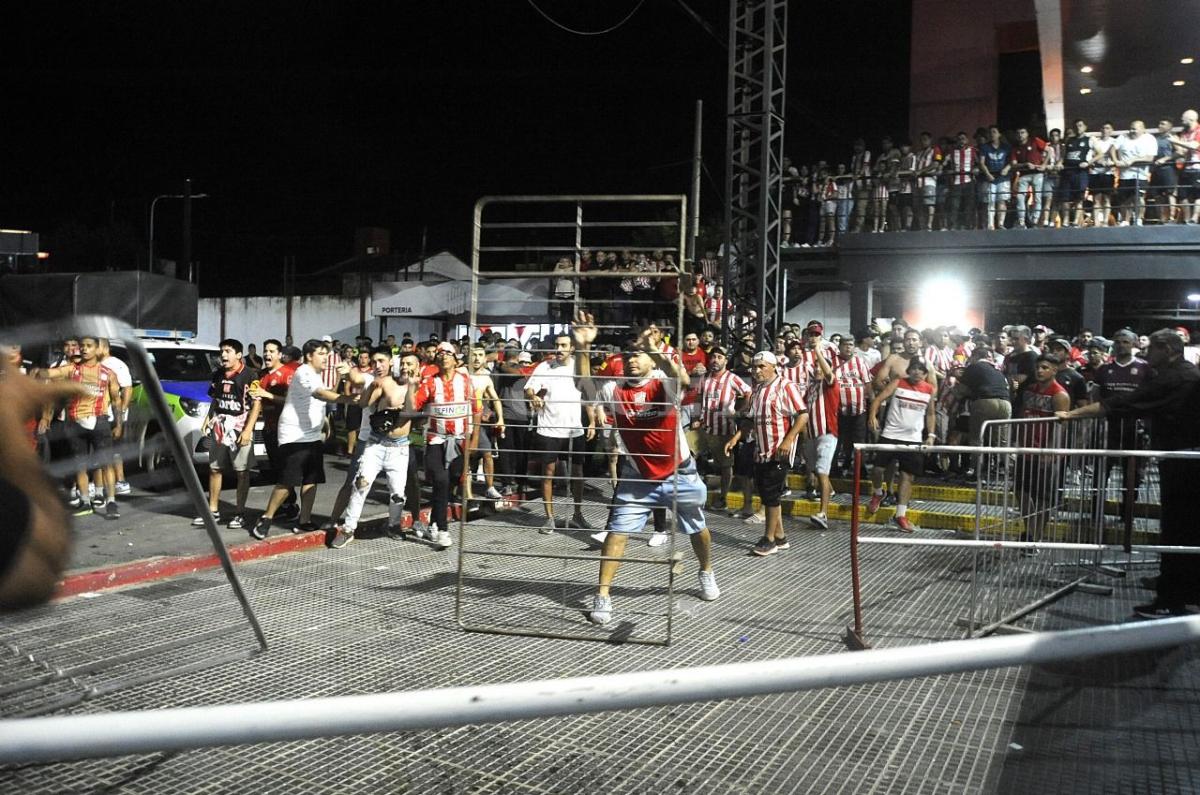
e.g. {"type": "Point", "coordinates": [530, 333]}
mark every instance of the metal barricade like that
{"type": "Point", "coordinates": [1053, 517]}
{"type": "Point", "coordinates": [513, 579]}
{"type": "Point", "coordinates": [47, 665]}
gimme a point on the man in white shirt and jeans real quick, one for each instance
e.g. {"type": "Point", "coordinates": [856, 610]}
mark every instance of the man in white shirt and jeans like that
{"type": "Point", "coordinates": [125, 385]}
{"type": "Point", "coordinates": [553, 393]}
{"type": "Point", "coordinates": [301, 443]}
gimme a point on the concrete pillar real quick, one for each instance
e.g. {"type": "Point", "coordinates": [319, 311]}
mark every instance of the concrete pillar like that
{"type": "Point", "coordinates": [1092, 311]}
{"type": "Point", "coordinates": [862, 304]}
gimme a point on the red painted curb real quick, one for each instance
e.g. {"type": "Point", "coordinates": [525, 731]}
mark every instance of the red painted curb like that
{"type": "Point", "coordinates": [161, 568]}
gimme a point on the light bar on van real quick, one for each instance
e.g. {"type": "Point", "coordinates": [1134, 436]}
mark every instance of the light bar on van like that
{"type": "Point", "coordinates": [165, 334]}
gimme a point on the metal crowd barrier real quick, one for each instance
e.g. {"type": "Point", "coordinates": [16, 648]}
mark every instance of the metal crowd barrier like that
{"type": "Point", "coordinates": [542, 584]}
{"type": "Point", "coordinates": [1041, 517]}
{"type": "Point", "coordinates": [47, 665]}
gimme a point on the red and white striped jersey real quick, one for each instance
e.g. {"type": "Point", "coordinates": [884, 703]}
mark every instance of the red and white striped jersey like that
{"type": "Point", "coordinates": [717, 397]}
{"type": "Point", "coordinates": [962, 163]}
{"type": "Point", "coordinates": [822, 398]}
{"type": "Point", "coordinates": [715, 308]}
{"type": "Point", "coordinates": [939, 359]}
{"type": "Point", "coordinates": [95, 380]}
{"type": "Point", "coordinates": [907, 410]}
{"type": "Point", "coordinates": [451, 403]}
{"type": "Point", "coordinates": [853, 376]}
{"type": "Point", "coordinates": [773, 406]}
{"type": "Point", "coordinates": [329, 376]}
{"type": "Point", "coordinates": [798, 373]}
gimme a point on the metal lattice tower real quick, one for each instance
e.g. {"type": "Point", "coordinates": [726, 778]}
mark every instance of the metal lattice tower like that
{"type": "Point", "coordinates": [754, 162]}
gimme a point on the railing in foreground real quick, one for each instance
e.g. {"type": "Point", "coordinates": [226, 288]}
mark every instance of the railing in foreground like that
{"type": "Point", "coordinates": [120, 733]}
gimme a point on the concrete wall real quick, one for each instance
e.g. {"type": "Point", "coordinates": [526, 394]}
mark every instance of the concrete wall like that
{"type": "Point", "coordinates": [955, 60]}
{"type": "Point", "coordinates": [257, 318]}
{"type": "Point", "coordinates": [831, 307]}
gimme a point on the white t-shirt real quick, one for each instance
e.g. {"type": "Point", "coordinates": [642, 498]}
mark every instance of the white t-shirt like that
{"type": "Point", "coordinates": [560, 418]}
{"type": "Point", "coordinates": [1101, 147]}
{"type": "Point", "coordinates": [124, 379]}
{"type": "Point", "coordinates": [871, 356]}
{"type": "Point", "coordinates": [1145, 145]}
{"type": "Point", "coordinates": [303, 414]}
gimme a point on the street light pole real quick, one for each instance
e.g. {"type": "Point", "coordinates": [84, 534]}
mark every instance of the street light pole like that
{"type": "Point", "coordinates": [153, 202]}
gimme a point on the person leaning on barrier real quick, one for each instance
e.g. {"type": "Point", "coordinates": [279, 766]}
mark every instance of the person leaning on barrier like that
{"type": "Point", "coordinates": [986, 390]}
{"type": "Point", "coordinates": [35, 536]}
{"type": "Point", "coordinates": [1169, 400]}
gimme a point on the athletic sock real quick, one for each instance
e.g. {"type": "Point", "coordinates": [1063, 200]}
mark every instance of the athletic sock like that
{"type": "Point", "coordinates": [878, 492]}
{"type": "Point", "coordinates": [901, 510]}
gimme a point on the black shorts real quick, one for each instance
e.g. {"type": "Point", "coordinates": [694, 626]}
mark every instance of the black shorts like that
{"type": "Point", "coordinates": [913, 463]}
{"type": "Point", "coordinates": [1072, 185]}
{"type": "Point", "coordinates": [770, 478]}
{"type": "Point", "coordinates": [1039, 478]}
{"type": "Point", "coordinates": [86, 440]}
{"type": "Point", "coordinates": [1127, 190]}
{"type": "Point", "coordinates": [271, 443]}
{"type": "Point", "coordinates": [353, 418]}
{"type": "Point", "coordinates": [1163, 179]}
{"type": "Point", "coordinates": [301, 464]}
{"type": "Point", "coordinates": [551, 448]}
{"type": "Point", "coordinates": [1189, 184]}
{"type": "Point", "coordinates": [1100, 184]}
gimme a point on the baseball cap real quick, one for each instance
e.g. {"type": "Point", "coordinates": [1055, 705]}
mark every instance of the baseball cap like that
{"type": "Point", "coordinates": [815, 325]}
{"type": "Point", "coordinates": [447, 347]}
{"type": "Point", "coordinates": [765, 357]}
{"type": "Point", "coordinates": [720, 350]}
{"type": "Point", "coordinates": [326, 338]}
{"type": "Point", "coordinates": [525, 357]}
{"type": "Point", "coordinates": [1061, 342]}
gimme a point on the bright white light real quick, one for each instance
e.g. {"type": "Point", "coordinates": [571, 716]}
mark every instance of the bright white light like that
{"type": "Point", "coordinates": [1194, 296]}
{"type": "Point", "coordinates": [1178, 83]}
{"type": "Point", "coordinates": [1187, 60]}
{"type": "Point", "coordinates": [1087, 70]}
{"type": "Point", "coordinates": [943, 302]}
{"type": "Point", "coordinates": [1085, 91]}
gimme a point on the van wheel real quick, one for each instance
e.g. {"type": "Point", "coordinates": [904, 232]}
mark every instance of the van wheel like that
{"type": "Point", "coordinates": [158, 465]}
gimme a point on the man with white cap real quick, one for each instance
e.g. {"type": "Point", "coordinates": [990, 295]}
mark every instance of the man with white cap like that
{"type": "Point", "coordinates": [778, 415]}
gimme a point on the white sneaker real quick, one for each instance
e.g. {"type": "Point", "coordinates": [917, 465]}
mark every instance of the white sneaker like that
{"type": "Point", "coordinates": [601, 612]}
{"type": "Point", "coordinates": [493, 494]}
{"type": "Point", "coordinates": [123, 487]}
{"type": "Point", "coordinates": [820, 520]}
{"type": "Point", "coordinates": [708, 586]}
{"type": "Point", "coordinates": [657, 540]}
{"type": "Point", "coordinates": [444, 541]}
{"type": "Point", "coordinates": [755, 518]}
{"type": "Point", "coordinates": [600, 537]}
{"type": "Point", "coordinates": [421, 530]}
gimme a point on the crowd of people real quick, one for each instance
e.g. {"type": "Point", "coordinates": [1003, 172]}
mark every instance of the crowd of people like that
{"type": "Point", "coordinates": [993, 180]}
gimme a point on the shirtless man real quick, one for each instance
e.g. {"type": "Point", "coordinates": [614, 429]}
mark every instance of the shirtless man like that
{"type": "Point", "coordinates": [388, 402]}
{"type": "Point", "coordinates": [895, 366]}
{"type": "Point", "coordinates": [493, 416]}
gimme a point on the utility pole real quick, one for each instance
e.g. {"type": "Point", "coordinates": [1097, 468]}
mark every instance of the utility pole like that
{"type": "Point", "coordinates": [697, 164]}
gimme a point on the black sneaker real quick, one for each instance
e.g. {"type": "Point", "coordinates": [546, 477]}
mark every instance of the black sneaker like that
{"type": "Point", "coordinates": [288, 512]}
{"type": "Point", "coordinates": [782, 543]}
{"type": "Point", "coordinates": [306, 527]}
{"type": "Point", "coordinates": [199, 520]}
{"type": "Point", "coordinates": [764, 547]}
{"type": "Point", "coordinates": [1158, 610]}
{"type": "Point", "coordinates": [111, 511]}
{"type": "Point", "coordinates": [237, 522]}
{"type": "Point", "coordinates": [579, 523]}
{"type": "Point", "coordinates": [261, 528]}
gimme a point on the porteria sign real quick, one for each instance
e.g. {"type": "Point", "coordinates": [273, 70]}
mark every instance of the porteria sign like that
{"type": "Point", "coordinates": [520, 298]}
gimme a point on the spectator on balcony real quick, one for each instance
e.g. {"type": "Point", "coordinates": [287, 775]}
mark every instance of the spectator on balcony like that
{"type": "Point", "coordinates": [1052, 161]}
{"type": "Point", "coordinates": [1188, 145]}
{"type": "Point", "coordinates": [1164, 178]}
{"type": "Point", "coordinates": [928, 163]}
{"type": "Point", "coordinates": [828, 196]}
{"type": "Point", "coordinates": [1028, 161]}
{"type": "Point", "coordinates": [886, 167]}
{"type": "Point", "coordinates": [562, 288]}
{"type": "Point", "coordinates": [860, 169]}
{"type": "Point", "coordinates": [905, 182]}
{"type": "Point", "coordinates": [982, 186]}
{"type": "Point", "coordinates": [1133, 153]}
{"type": "Point", "coordinates": [845, 198]}
{"type": "Point", "coordinates": [960, 165]}
{"type": "Point", "coordinates": [1073, 180]}
{"type": "Point", "coordinates": [995, 158]}
{"type": "Point", "coordinates": [1101, 163]}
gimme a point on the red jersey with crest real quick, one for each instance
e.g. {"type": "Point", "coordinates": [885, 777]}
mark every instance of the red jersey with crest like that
{"type": "Point", "coordinates": [646, 423]}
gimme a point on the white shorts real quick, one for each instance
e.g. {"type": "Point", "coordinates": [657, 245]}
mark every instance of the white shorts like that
{"type": "Point", "coordinates": [818, 452]}
{"type": "Point", "coordinates": [635, 500]}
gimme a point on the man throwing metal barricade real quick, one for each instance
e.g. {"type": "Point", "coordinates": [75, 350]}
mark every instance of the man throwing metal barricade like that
{"type": "Point", "coordinates": [656, 468]}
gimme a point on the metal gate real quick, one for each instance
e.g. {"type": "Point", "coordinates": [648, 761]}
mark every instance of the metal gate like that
{"type": "Point", "coordinates": [47, 664]}
{"type": "Point", "coordinates": [536, 261]}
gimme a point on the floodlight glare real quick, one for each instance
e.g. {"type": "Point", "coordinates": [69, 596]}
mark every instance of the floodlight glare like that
{"type": "Point", "coordinates": [1085, 90]}
{"type": "Point", "coordinates": [943, 302]}
{"type": "Point", "coordinates": [1087, 70]}
{"type": "Point", "coordinates": [1194, 296]}
{"type": "Point", "coordinates": [1187, 60]}
{"type": "Point", "coordinates": [1178, 83]}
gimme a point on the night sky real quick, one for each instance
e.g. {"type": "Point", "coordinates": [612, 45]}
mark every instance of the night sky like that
{"type": "Point", "coordinates": [305, 121]}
